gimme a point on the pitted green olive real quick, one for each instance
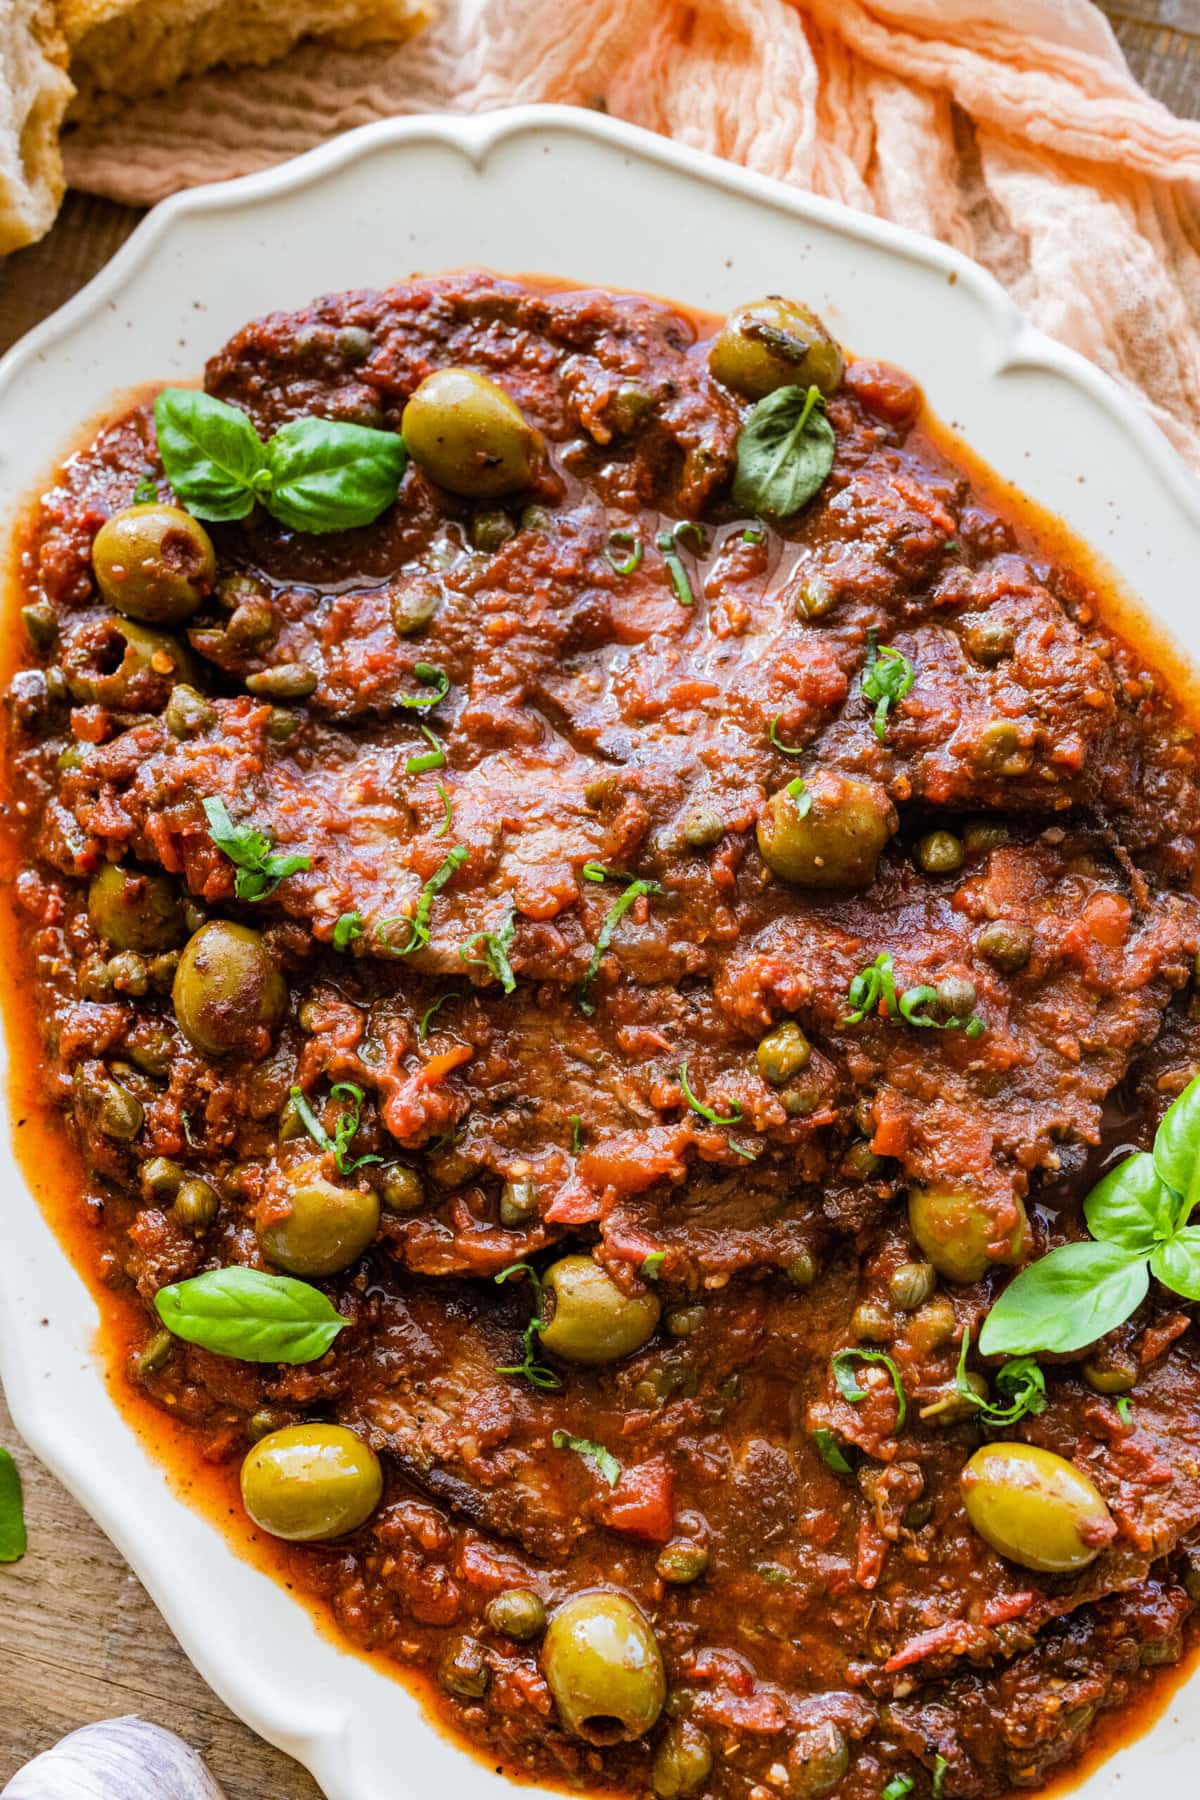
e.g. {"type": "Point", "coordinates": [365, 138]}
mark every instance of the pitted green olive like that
{"type": "Point", "coordinates": [227, 991]}
{"type": "Point", "coordinates": [133, 910]}
{"type": "Point", "coordinates": [775, 343]}
{"type": "Point", "coordinates": [592, 1320]}
{"type": "Point", "coordinates": [1036, 1508]}
{"type": "Point", "coordinates": [960, 1231]}
{"type": "Point", "coordinates": [604, 1668]}
{"type": "Point", "coordinates": [827, 830]}
{"type": "Point", "coordinates": [154, 563]}
{"type": "Point", "coordinates": [120, 663]}
{"type": "Point", "coordinates": [469, 435]}
{"type": "Point", "coordinates": [326, 1228]}
{"type": "Point", "coordinates": [309, 1482]}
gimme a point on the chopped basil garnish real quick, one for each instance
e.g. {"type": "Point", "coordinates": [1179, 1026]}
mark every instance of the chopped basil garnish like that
{"type": "Point", "coordinates": [675, 569]}
{"type": "Point", "coordinates": [427, 1015]}
{"type": "Point", "coordinates": [785, 451]}
{"type": "Point", "coordinates": [842, 1363]}
{"type": "Point", "coordinates": [754, 534]}
{"type": "Point", "coordinates": [1124, 1409]}
{"type": "Point", "coordinates": [898, 1787]}
{"type": "Point", "coordinates": [537, 1374]}
{"type": "Point", "coordinates": [447, 808]}
{"type": "Point", "coordinates": [797, 790]}
{"type": "Point", "coordinates": [600, 1459]}
{"type": "Point", "coordinates": [873, 991]}
{"type": "Point", "coordinates": [887, 677]}
{"type": "Point", "coordinates": [652, 1265]}
{"type": "Point", "coordinates": [1138, 1216]}
{"type": "Point", "coordinates": [706, 1112]}
{"type": "Point", "coordinates": [348, 927]}
{"type": "Point", "coordinates": [433, 758]}
{"type": "Point", "coordinates": [416, 924]}
{"type": "Point", "coordinates": [255, 1317]}
{"type": "Point", "coordinates": [832, 1454]}
{"type": "Point", "coordinates": [496, 946]}
{"type": "Point", "coordinates": [13, 1540]}
{"type": "Point", "coordinates": [630, 541]}
{"type": "Point", "coordinates": [786, 748]}
{"type": "Point", "coordinates": [343, 1132]}
{"type": "Point", "coordinates": [432, 676]}
{"type": "Point", "coordinates": [608, 928]}
{"type": "Point", "coordinates": [259, 871]}
{"type": "Point", "coordinates": [940, 1765]}
{"type": "Point", "coordinates": [314, 475]}
{"type": "Point", "coordinates": [146, 491]}
{"type": "Point", "coordinates": [576, 1134]}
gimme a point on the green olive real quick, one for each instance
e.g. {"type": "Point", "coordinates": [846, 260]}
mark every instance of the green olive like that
{"type": "Point", "coordinates": [1034, 1507]}
{"type": "Point", "coordinates": [326, 1229]}
{"type": "Point", "coordinates": [958, 1232]}
{"type": "Point", "coordinates": [227, 990]}
{"type": "Point", "coordinates": [517, 1613]}
{"type": "Point", "coordinates": [783, 1053]}
{"type": "Point", "coordinates": [469, 435]}
{"type": "Point", "coordinates": [682, 1762]}
{"type": "Point", "coordinates": [939, 853]}
{"type": "Point", "coordinates": [826, 831]}
{"type": "Point", "coordinates": [592, 1320]}
{"type": "Point", "coordinates": [604, 1668]}
{"type": "Point", "coordinates": [132, 910]}
{"type": "Point", "coordinates": [309, 1482]}
{"type": "Point", "coordinates": [154, 563]}
{"type": "Point", "coordinates": [775, 343]}
{"type": "Point", "coordinates": [817, 1760]}
{"type": "Point", "coordinates": [128, 665]}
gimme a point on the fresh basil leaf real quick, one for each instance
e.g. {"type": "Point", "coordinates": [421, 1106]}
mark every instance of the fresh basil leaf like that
{"type": "Point", "coordinates": [595, 1455]}
{"type": "Point", "coordinates": [1177, 1141]}
{"type": "Point", "coordinates": [785, 451]}
{"type": "Point", "coordinates": [1065, 1300]}
{"type": "Point", "coordinates": [1177, 1262]}
{"type": "Point", "coordinates": [327, 475]}
{"type": "Point", "coordinates": [211, 454]}
{"type": "Point", "coordinates": [831, 1452]}
{"type": "Point", "coordinates": [13, 1541]}
{"type": "Point", "coordinates": [349, 925]}
{"type": "Point", "coordinates": [256, 1317]}
{"type": "Point", "coordinates": [1127, 1206]}
{"type": "Point", "coordinates": [842, 1363]}
{"type": "Point", "coordinates": [259, 872]}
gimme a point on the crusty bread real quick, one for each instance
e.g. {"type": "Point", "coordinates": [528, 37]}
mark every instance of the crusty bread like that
{"type": "Point", "coordinates": [121, 48]}
{"type": "Point", "coordinates": [34, 91]}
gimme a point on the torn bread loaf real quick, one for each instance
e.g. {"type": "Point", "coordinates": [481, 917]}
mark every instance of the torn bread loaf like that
{"type": "Point", "coordinates": [34, 91]}
{"type": "Point", "coordinates": [123, 48]}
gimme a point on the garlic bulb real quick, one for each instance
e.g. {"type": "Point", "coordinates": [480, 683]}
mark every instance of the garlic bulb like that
{"type": "Point", "coordinates": [119, 1759]}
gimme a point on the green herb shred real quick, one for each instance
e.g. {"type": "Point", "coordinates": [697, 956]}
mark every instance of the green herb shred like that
{"type": "Point", "coordinates": [417, 923]}
{"type": "Point", "coordinates": [259, 870]}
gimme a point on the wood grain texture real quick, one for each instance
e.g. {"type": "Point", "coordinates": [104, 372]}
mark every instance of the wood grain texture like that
{"type": "Point", "coordinates": [79, 1638]}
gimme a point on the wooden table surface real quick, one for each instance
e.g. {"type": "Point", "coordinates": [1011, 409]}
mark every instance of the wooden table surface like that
{"type": "Point", "coordinates": [79, 1638]}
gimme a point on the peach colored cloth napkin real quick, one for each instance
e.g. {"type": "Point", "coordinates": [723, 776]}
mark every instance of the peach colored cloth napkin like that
{"type": "Point", "coordinates": [1009, 128]}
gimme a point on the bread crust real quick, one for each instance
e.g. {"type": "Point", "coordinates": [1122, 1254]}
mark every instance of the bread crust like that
{"type": "Point", "coordinates": [34, 93]}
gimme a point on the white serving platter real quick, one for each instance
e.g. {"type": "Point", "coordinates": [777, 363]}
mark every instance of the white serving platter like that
{"type": "Point", "coordinates": [571, 194]}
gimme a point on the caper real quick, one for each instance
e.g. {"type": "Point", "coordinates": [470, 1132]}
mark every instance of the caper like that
{"type": "Point", "coordinates": [826, 830]}
{"type": "Point", "coordinates": [40, 624]}
{"type": "Point", "coordinates": [990, 640]}
{"type": "Point", "coordinates": [628, 407]}
{"type": "Point", "coordinates": [134, 910]}
{"type": "Point", "coordinates": [413, 602]}
{"type": "Point", "coordinates": [161, 1178]}
{"type": "Point", "coordinates": [463, 1669]}
{"type": "Point", "coordinates": [802, 1095]}
{"type": "Point", "coordinates": [469, 435]}
{"type": "Point", "coordinates": [956, 996]}
{"type": "Point", "coordinates": [939, 853]}
{"type": "Point", "coordinates": [684, 1320]}
{"type": "Point", "coordinates": [154, 563]}
{"type": "Point", "coordinates": [196, 1206]}
{"type": "Point", "coordinates": [401, 1189]}
{"type": "Point", "coordinates": [861, 1163]}
{"type": "Point", "coordinates": [326, 1227]}
{"type": "Point", "coordinates": [775, 343]}
{"type": "Point", "coordinates": [682, 1762]}
{"type": "Point", "coordinates": [911, 1285]}
{"type": "Point", "coordinates": [998, 750]}
{"type": "Point", "coordinates": [154, 1354]}
{"type": "Point", "coordinates": [251, 623]}
{"type": "Point", "coordinates": [227, 992]}
{"type": "Point", "coordinates": [817, 1760]}
{"type": "Point", "coordinates": [962, 1233]}
{"type": "Point", "coordinates": [516, 1613]}
{"type": "Point", "coordinates": [782, 1053]}
{"type": "Point", "coordinates": [815, 597]}
{"type": "Point", "coordinates": [872, 1320]}
{"type": "Point", "coordinates": [490, 529]}
{"type": "Point", "coordinates": [802, 1270]}
{"type": "Point", "coordinates": [604, 1668]}
{"type": "Point", "coordinates": [1035, 1507]}
{"type": "Point", "coordinates": [267, 1419]}
{"type": "Point", "coordinates": [535, 518]}
{"type": "Point", "coordinates": [1159, 1653]}
{"type": "Point", "coordinates": [953, 1406]}
{"type": "Point", "coordinates": [518, 1202]}
{"type": "Point", "coordinates": [593, 1320]}
{"type": "Point", "coordinates": [983, 834]}
{"type": "Point", "coordinates": [681, 1561]}
{"type": "Point", "coordinates": [128, 973]}
{"type": "Point", "coordinates": [286, 681]}
{"type": "Point", "coordinates": [1007, 944]}
{"type": "Point", "coordinates": [282, 725]}
{"type": "Point", "coordinates": [110, 1107]}
{"type": "Point", "coordinates": [703, 828]}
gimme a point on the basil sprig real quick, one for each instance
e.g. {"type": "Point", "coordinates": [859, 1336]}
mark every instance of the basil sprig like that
{"type": "Point", "coordinates": [315, 474]}
{"type": "Point", "coordinates": [1020, 1384]}
{"type": "Point", "coordinates": [13, 1543]}
{"type": "Point", "coordinates": [535, 1373]}
{"type": "Point", "coordinates": [259, 871]}
{"type": "Point", "coordinates": [1138, 1217]}
{"type": "Point", "coordinates": [595, 1455]}
{"type": "Point", "coordinates": [785, 451]}
{"type": "Point", "coordinates": [256, 1317]}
